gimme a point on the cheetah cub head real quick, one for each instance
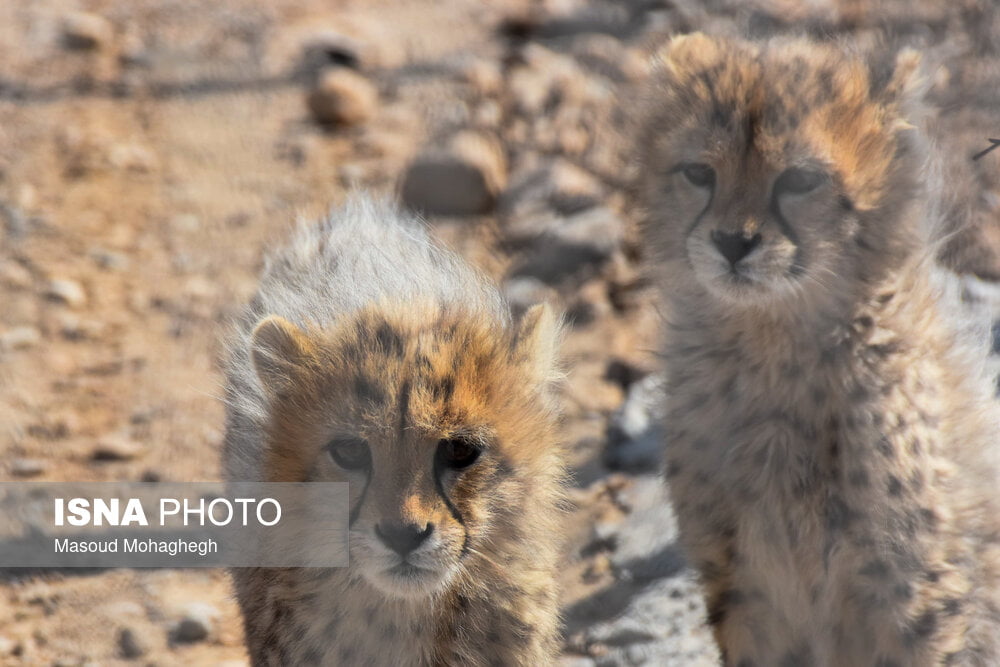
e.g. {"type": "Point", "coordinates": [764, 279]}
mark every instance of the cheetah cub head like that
{"type": "Point", "coordinates": [779, 170]}
{"type": "Point", "coordinates": [441, 421]}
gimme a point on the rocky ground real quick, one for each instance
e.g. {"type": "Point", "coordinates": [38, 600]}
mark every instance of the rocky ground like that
{"type": "Point", "coordinates": [151, 150]}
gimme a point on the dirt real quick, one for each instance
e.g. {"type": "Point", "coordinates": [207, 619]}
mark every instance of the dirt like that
{"type": "Point", "coordinates": [148, 162]}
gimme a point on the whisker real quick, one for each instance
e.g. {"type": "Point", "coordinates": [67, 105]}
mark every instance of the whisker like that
{"type": "Point", "coordinates": [477, 552]}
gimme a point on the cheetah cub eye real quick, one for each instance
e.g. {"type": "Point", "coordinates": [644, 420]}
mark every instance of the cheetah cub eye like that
{"type": "Point", "coordinates": [797, 181]}
{"type": "Point", "coordinates": [350, 453]}
{"type": "Point", "coordinates": [698, 175]}
{"type": "Point", "coordinates": [457, 453]}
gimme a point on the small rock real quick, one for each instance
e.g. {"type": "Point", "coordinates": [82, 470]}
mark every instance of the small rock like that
{"type": "Point", "coordinates": [487, 114]}
{"type": "Point", "coordinates": [599, 650]}
{"type": "Point", "coordinates": [132, 157]}
{"type": "Point", "coordinates": [52, 427]}
{"type": "Point", "coordinates": [570, 249]}
{"type": "Point", "coordinates": [608, 56]}
{"type": "Point", "coordinates": [27, 196]}
{"type": "Point", "coordinates": [7, 646]}
{"type": "Point", "coordinates": [134, 51]}
{"type": "Point", "coordinates": [636, 655]}
{"type": "Point", "coordinates": [76, 328]}
{"type": "Point", "coordinates": [464, 178]}
{"type": "Point", "coordinates": [109, 259]}
{"type": "Point", "coordinates": [132, 643]}
{"type": "Point", "coordinates": [484, 76]}
{"type": "Point", "coordinates": [143, 416]}
{"type": "Point", "coordinates": [591, 303]}
{"type": "Point", "coordinates": [605, 532]}
{"type": "Point", "coordinates": [239, 219]}
{"type": "Point", "coordinates": [342, 97]}
{"type": "Point", "coordinates": [575, 661]}
{"type": "Point", "coordinates": [71, 327]}
{"type": "Point", "coordinates": [544, 80]}
{"type": "Point", "coordinates": [623, 373]}
{"type": "Point", "coordinates": [15, 275]}
{"type": "Point", "coordinates": [117, 448]}
{"type": "Point", "coordinates": [24, 649]}
{"type": "Point", "coordinates": [24, 467]}
{"type": "Point", "coordinates": [326, 48]}
{"type": "Point", "coordinates": [82, 151]}
{"type": "Point", "coordinates": [13, 221]}
{"type": "Point", "coordinates": [200, 288]}
{"type": "Point", "coordinates": [62, 363]}
{"type": "Point", "coordinates": [67, 291]}
{"type": "Point", "coordinates": [83, 31]}
{"type": "Point", "coordinates": [642, 407]}
{"type": "Point", "coordinates": [539, 80]}
{"type": "Point", "coordinates": [380, 144]}
{"type": "Point", "coordinates": [557, 186]}
{"type": "Point", "coordinates": [195, 624]}
{"type": "Point", "coordinates": [185, 223]}
{"type": "Point", "coordinates": [20, 338]}
{"type": "Point", "coordinates": [635, 435]}
{"type": "Point", "coordinates": [530, 90]}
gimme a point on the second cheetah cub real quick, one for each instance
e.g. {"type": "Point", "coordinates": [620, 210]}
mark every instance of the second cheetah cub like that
{"type": "Point", "coordinates": [370, 355]}
{"type": "Point", "coordinates": [832, 450]}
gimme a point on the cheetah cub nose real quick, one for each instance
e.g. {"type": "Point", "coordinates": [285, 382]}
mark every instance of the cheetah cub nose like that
{"type": "Point", "coordinates": [403, 537]}
{"type": "Point", "coordinates": [734, 247]}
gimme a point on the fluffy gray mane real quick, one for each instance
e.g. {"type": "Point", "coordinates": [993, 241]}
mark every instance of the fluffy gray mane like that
{"type": "Point", "coordinates": [366, 251]}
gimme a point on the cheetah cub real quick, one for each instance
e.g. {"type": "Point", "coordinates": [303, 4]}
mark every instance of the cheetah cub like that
{"type": "Point", "coordinates": [831, 450]}
{"type": "Point", "coordinates": [372, 356]}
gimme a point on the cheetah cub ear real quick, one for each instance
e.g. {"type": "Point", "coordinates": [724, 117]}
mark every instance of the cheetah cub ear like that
{"type": "Point", "coordinates": [685, 55]}
{"type": "Point", "coordinates": [277, 347]}
{"type": "Point", "coordinates": [684, 51]}
{"type": "Point", "coordinates": [906, 79]}
{"type": "Point", "coordinates": [902, 84]}
{"type": "Point", "coordinates": [536, 343]}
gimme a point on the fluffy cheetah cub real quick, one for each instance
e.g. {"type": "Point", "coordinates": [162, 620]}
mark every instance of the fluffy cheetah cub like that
{"type": "Point", "coordinates": [832, 451]}
{"type": "Point", "coordinates": [370, 355]}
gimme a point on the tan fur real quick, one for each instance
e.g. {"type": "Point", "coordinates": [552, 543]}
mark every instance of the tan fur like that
{"type": "Point", "coordinates": [405, 377]}
{"type": "Point", "coordinates": [832, 450]}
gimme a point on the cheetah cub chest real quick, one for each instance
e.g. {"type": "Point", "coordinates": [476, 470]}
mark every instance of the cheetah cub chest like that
{"type": "Point", "coordinates": [371, 356]}
{"type": "Point", "coordinates": [832, 450]}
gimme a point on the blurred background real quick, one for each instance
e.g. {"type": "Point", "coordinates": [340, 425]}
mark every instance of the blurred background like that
{"type": "Point", "coordinates": [152, 150]}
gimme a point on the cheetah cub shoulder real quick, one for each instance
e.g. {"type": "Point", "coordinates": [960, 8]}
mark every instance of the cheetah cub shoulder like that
{"type": "Point", "coordinates": [832, 448]}
{"type": "Point", "coordinates": [370, 355]}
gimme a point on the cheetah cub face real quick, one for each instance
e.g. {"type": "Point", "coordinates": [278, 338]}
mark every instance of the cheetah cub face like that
{"type": "Point", "coordinates": [764, 165]}
{"type": "Point", "coordinates": [439, 423]}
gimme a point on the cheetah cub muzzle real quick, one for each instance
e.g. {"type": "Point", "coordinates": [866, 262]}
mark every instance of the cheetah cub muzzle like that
{"type": "Point", "coordinates": [832, 445]}
{"type": "Point", "coordinates": [371, 356]}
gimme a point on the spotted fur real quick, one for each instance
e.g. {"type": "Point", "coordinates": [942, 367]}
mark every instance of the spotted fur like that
{"type": "Point", "coordinates": [832, 446]}
{"type": "Point", "coordinates": [364, 331]}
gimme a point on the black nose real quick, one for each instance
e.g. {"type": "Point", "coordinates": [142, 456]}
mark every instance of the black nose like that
{"type": "Point", "coordinates": [403, 537]}
{"type": "Point", "coordinates": [734, 247]}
